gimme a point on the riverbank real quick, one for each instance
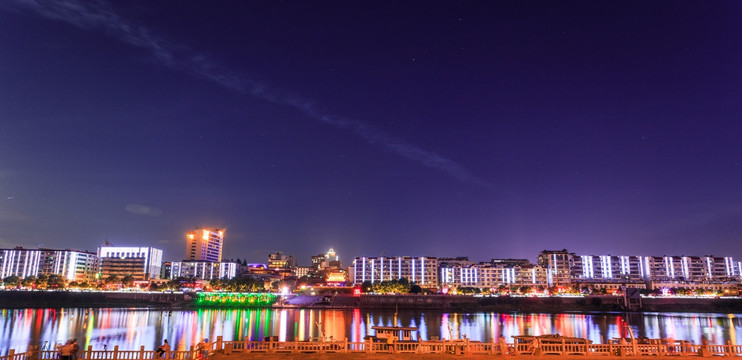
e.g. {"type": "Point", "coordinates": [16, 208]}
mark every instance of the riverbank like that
{"type": "Point", "coordinates": [450, 303]}
{"type": "Point", "coordinates": [11, 299]}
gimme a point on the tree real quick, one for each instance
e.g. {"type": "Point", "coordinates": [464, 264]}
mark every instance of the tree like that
{"type": "Point", "coordinates": [112, 280]}
{"type": "Point", "coordinates": [128, 280]}
{"type": "Point", "coordinates": [56, 282]}
{"type": "Point", "coordinates": [29, 281]}
{"type": "Point", "coordinates": [42, 281]}
{"type": "Point", "coordinates": [416, 289]}
{"type": "Point", "coordinates": [12, 281]}
{"type": "Point", "coordinates": [240, 284]}
{"type": "Point", "coordinates": [217, 284]}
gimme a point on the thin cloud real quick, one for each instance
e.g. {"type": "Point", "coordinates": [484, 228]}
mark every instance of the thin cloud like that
{"type": "Point", "coordinates": [143, 210]}
{"type": "Point", "coordinates": [90, 15]}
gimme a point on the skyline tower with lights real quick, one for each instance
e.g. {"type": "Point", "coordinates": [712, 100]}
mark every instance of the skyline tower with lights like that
{"type": "Point", "coordinates": [204, 245]}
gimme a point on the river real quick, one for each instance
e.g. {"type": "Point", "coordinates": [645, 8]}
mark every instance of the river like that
{"type": "Point", "coordinates": [132, 328]}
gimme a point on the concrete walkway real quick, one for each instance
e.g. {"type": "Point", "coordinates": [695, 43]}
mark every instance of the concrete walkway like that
{"type": "Point", "coordinates": [407, 356]}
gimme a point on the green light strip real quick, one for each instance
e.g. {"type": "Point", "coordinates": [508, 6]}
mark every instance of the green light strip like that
{"type": "Point", "coordinates": [235, 299]}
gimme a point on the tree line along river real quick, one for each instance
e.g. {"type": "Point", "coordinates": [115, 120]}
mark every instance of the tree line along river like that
{"type": "Point", "coordinates": [104, 328]}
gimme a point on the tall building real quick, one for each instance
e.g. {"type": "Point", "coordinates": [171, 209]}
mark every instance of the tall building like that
{"type": "Point", "coordinates": [73, 265]}
{"type": "Point", "coordinates": [204, 244]}
{"type": "Point", "coordinates": [143, 263]}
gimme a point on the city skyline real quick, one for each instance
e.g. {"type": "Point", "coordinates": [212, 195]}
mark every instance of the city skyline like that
{"type": "Point", "coordinates": [380, 128]}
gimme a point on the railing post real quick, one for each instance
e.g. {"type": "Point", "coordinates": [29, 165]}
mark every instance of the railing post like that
{"type": "Point", "coordinates": [219, 343]}
{"type": "Point", "coordinates": [190, 356]}
{"type": "Point", "coordinates": [141, 352]}
{"type": "Point", "coordinates": [89, 352]}
{"type": "Point", "coordinates": [115, 352]}
{"type": "Point", "coordinates": [345, 345]}
{"type": "Point", "coordinates": [564, 348]}
{"type": "Point", "coordinates": [367, 346]}
{"type": "Point", "coordinates": [11, 353]}
{"type": "Point", "coordinates": [729, 348]}
{"type": "Point", "coordinates": [245, 339]}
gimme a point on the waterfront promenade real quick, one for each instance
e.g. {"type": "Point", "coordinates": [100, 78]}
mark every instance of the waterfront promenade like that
{"type": "Point", "coordinates": [369, 349]}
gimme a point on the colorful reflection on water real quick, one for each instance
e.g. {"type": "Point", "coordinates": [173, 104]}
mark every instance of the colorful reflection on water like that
{"type": "Point", "coordinates": [132, 328]}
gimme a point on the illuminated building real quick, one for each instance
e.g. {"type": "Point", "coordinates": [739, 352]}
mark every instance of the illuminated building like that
{"type": "Point", "coordinates": [143, 263]}
{"type": "Point", "coordinates": [460, 272]}
{"type": "Point", "coordinates": [608, 268]}
{"type": "Point", "coordinates": [300, 271]}
{"type": "Point", "coordinates": [335, 277]}
{"type": "Point", "coordinates": [72, 265]}
{"type": "Point", "coordinates": [324, 261]}
{"type": "Point", "coordinates": [281, 261]}
{"type": "Point", "coordinates": [204, 244]}
{"type": "Point", "coordinates": [332, 260]}
{"type": "Point", "coordinates": [690, 272]}
{"type": "Point", "coordinates": [558, 265]}
{"type": "Point", "coordinates": [420, 270]}
{"type": "Point", "coordinates": [203, 270]}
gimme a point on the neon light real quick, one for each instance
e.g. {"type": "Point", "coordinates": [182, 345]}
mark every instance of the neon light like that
{"type": "Point", "coordinates": [372, 270]}
{"type": "Point", "coordinates": [363, 274]}
{"type": "Point", "coordinates": [381, 272]}
{"type": "Point", "coordinates": [413, 270]}
{"type": "Point", "coordinates": [236, 299]}
{"type": "Point", "coordinates": [422, 270]}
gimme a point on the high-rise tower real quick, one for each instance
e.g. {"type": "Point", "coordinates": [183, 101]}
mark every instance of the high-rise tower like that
{"type": "Point", "coordinates": [204, 244]}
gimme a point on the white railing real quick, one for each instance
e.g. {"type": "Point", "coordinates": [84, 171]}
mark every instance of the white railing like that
{"type": "Point", "coordinates": [455, 347]}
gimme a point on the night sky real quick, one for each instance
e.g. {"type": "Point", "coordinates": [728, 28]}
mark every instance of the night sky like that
{"type": "Point", "coordinates": [428, 128]}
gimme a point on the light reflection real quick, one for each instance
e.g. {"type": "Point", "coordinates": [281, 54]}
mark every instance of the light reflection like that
{"type": "Point", "coordinates": [132, 328]}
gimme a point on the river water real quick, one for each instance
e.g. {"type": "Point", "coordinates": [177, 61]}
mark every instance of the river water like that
{"type": "Point", "coordinates": [131, 328]}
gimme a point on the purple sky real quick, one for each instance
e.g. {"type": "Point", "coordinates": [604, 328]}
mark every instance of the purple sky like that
{"type": "Point", "coordinates": [428, 128]}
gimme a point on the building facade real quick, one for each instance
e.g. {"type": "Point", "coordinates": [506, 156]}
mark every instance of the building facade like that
{"type": "Point", "coordinates": [203, 270]}
{"type": "Point", "coordinates": [420, 270]}
{"type": "Point", "coordinates": [72, 265]}
{"type": "Point", "coordinates": [279, 260]}
{"type": "Point", "coordinates": [204, 245]}
{"type": "Point", "coordinates": [143, 263]}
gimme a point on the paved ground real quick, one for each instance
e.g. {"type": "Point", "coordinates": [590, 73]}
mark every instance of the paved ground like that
{"type": "Point", "coordinates": [379, 356]}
